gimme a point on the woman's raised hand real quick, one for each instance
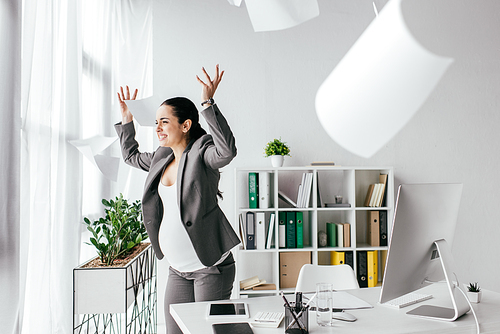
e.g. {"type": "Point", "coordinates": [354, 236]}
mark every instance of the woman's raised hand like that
{"type": "Point", "coordinates": [122, 97]}
{"type": "Point", "coordinates": [210, 86]}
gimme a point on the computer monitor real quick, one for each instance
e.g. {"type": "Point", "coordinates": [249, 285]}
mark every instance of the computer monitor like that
{"type": "Point", "coordinates": [419, 251]}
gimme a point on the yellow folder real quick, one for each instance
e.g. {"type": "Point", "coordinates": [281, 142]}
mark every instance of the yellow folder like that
{"type": "Point", "coordinates": [337, 257]}
{"type": "Point", "coordinates": [372, 264]}
{"type": "Point", "coordinates": [383, 261]}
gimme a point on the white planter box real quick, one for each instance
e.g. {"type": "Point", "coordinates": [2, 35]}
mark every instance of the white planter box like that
{"type": "Point", "coordinates": [111, 290]}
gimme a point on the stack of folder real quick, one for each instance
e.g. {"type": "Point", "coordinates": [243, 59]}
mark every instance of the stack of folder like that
{"type": "Point", "coordinates": [377, 228]}
{"type": "Point", "coordinates": [257, 232]}
{"type": "Point", "coordinates": [375, 196]}
{"type": "Point", "coordinates": [303, 193]}
{"type": "Point", "coordinates": [367, 273]}
{"type": "Point", "coordinates": [291, 229]}
{"type": "Point", "coordinates": [338, 234]}
{"type": "Point", "coordinates": [342, 258]}
{"type": "Point", "coordinates": [259, 190]}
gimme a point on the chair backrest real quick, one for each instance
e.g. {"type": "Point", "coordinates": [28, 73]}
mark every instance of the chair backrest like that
{"type": "Point", "coordinates": [341, 276]}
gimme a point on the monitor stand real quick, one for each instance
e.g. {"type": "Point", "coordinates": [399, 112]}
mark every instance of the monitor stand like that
{"type": "Point", "coordinates": [460, 305]}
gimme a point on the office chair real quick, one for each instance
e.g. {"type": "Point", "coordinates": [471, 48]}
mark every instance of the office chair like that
{"type": "Point", "coordinates": [341, 276]}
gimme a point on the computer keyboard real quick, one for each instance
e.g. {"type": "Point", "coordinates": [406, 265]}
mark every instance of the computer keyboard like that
{"type": "Point", "coordinates": [407, 300]}
{"type": "Point", "coordinates": [268, 319]}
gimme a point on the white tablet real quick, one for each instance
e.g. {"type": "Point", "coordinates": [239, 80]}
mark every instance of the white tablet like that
{"type": "Point", "coordinates": [227, 310]}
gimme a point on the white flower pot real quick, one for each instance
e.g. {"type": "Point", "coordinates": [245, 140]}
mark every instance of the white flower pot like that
{"type": "Point", "coordinates": [277, 160]}
{"type": "Point", "coordinates": [111, 289]}
{"type": "Point", "coordinates": [474, 297]}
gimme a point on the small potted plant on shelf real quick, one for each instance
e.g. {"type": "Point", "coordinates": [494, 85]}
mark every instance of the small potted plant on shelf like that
{"type": "Point", "coordinates": [276, 149]}
{"type": "Point", "coordinates": [474, 292]}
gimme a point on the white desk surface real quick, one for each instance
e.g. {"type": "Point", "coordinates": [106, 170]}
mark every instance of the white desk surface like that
{"type": "Point", "coordinates": [191, 317]}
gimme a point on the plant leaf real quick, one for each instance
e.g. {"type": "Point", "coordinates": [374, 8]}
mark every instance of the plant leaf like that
{"type": "Point", "coordinates": [94, 242]}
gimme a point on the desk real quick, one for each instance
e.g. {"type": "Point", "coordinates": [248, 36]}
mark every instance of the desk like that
{"type": "Point", "coordinates": [191, 317]}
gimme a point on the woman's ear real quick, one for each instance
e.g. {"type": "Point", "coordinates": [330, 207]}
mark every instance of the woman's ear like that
{"type": "Point", "coordinates": [186, 126]}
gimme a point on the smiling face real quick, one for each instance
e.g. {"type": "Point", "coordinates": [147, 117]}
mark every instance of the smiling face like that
{"type": "Point", "coordinates": [170, 132]}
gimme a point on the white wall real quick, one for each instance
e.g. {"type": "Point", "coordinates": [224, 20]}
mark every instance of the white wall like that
{"type": "Point", "coordinates": [271, 80]}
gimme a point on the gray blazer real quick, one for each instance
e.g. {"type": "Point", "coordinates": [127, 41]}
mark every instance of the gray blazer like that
{"type": "Point", "coordinates": [197, 184]}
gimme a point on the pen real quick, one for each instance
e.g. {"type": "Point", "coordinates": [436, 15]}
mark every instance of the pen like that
{"type": "Point", "coordinates": [303, 309]}
{"type": "Point", "coordinates": [311, 299]}
{"type": "Point", "coordinates": [291, 311]}
{"type": "Point", "coordinates": [298, 302]}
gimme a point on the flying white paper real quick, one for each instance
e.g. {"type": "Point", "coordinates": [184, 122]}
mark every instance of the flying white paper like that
{"type": "Point", "coordinates": [379, 85]}
{"type": "Point", "coordinates": [144, 110]}
{"type": "Point", "coordinates": [91, 147]}
{"type": "Point", "coordinates": [269, 15]}
{"type": "Point", "coordinates": [236, 3]}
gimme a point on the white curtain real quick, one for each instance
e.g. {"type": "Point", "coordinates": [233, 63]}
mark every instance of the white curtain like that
{"type": "Point", "coordinates": [75, 56]}
{"type": "Point", "coordinates": [117, 41]}
{"type": "Point", "coordinates": [10, 81]}
{"type": "Point", "coordinates": [51, 169]}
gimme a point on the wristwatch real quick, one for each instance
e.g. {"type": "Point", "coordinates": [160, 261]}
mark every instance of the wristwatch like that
{"type": "Point", "coordinates": [210, 100]}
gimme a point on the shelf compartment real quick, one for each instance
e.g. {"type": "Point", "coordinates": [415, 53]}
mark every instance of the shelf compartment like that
{"type": "Point", "coordinates": [257, 228]}
{"type": "Point", "coordinates": [365, 177]}
{"type": "Point", "coordinates": [283, 221]}
{"type": "Point", "coordinates": [288, 183]}
{"type": "Point", "coordinates": [243, 194]}
{"type": "Point", "coordinates": [324, 217]}
{"type": "Point", "coordinates": [362, 227]}
{"type": "Point", "coordinates": [332, 183]}
{"type": "Point", "coordinates": [257, 263]}
{"type": "Point", "coordinates": [329, 258]}
{"type": "Point", "coordinates": [290, 264]}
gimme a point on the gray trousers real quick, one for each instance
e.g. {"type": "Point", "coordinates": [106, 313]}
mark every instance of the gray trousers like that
{"type": "Point", "coordinates": [213, 283]}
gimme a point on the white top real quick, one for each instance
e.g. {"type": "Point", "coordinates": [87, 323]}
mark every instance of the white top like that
{"type": "Point", "coordinates": [174, 239]}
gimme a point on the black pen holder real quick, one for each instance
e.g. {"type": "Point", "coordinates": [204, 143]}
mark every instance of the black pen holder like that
{"type": "Point", "coordinates": [298, 322]}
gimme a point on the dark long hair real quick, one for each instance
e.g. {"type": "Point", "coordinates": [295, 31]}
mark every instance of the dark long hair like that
{"type": "Point", "coordinates": [183, 108]}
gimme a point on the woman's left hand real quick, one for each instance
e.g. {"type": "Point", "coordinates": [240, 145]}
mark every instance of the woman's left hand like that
{"type": "Point", "coordinates": [210, 86]}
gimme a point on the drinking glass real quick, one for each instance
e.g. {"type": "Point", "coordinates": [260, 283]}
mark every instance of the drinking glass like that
{"type": "Point", "coordinates": [324, 304]}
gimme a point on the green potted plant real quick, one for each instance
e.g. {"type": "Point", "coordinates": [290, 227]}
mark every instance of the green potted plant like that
{"type": "Point", "coordinates": [125, 267]}
{"type": "Point", "coordinates": [474, 292]}
{"type": "Point", "coordinates": [277, 150]}
{"type": "Point", "coordinates": [117, 233]}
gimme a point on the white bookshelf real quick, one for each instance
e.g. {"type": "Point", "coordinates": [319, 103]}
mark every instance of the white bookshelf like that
{"type": "Point", "coordinates": [350, 182]}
